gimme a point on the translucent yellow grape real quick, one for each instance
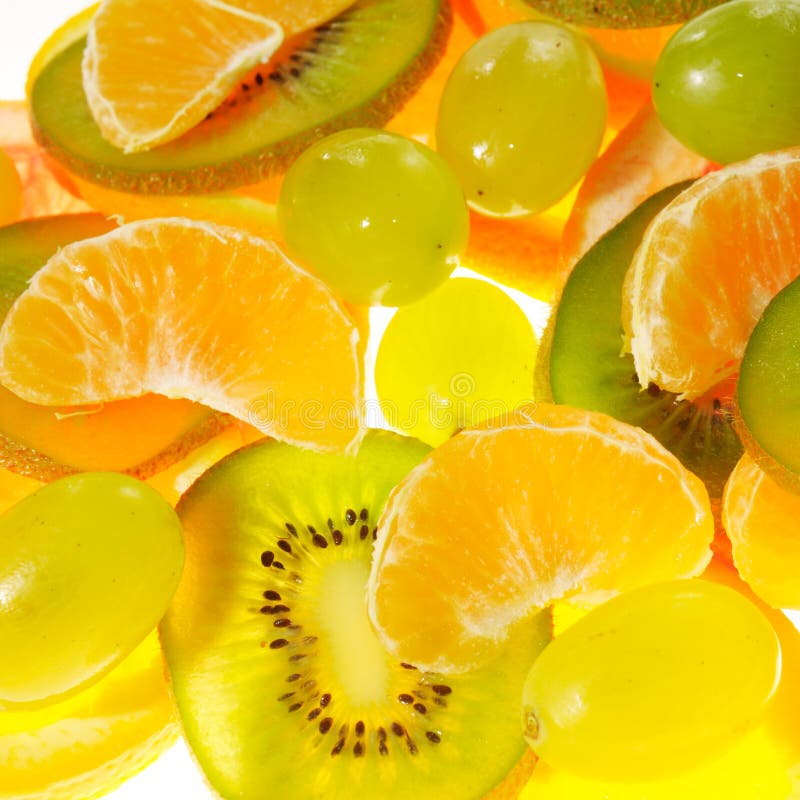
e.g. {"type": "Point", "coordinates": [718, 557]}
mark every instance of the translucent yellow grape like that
{"type": "Point", "coordinates": [88, 565]}
{"type": "Point", "coordinates": [652, 683]}
{"type": "Point", "coordinates": [455, 358]}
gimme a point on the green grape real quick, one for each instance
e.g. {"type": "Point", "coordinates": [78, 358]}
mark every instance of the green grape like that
{"type": "Point", "coordinates": [652, 683]}
{"type": "Point", "coordinates": [10, 190]}
{"type": "Point", "coordinates": [88, 565]}
{"type": "Point", "coordinates": [378, 216]}
{"type": "Point", "coordinates": [522, 117]}
{"type": "Point", "coordinates": [726, 83]}
{"type": "Point", "coordinates": [456, 358]}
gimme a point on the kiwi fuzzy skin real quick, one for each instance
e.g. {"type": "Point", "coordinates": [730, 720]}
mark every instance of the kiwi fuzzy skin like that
{"type": "Point", "coordinates": [132, 173]}
{"type": "Point", "coordinates": [623, 13]}
{"type": "Point", "coordinates": [580, 361]}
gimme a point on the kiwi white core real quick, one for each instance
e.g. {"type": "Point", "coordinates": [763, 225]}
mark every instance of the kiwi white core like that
{"type": "Point", "coordinates": [359, 660]}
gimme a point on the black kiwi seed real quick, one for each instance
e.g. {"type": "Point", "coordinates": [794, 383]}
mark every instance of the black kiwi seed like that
{"type": "Point", "coordinates": [285, 672]}
{"type": "Point", "coordinates": [267, 557]}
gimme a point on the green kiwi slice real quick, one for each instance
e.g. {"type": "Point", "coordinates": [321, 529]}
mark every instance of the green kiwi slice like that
{"type": "Point", "coordinates": [48, 443]}
{"type": "Point", "coordinates": [581, 360]}
{"type": "Point", "coordinates": [624, 13]}
{"type": "Point", "coordinates": [768, 389]}
{"type": "Point", "coordinates": [355, 70]}
{"type": "Point", "coordinates": [283, 687]}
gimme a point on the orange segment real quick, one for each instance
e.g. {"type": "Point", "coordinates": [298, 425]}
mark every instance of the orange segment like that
{"type": "Point", "coordinates": [87, 745]}
{"type": "Point", "coordinates": [188, 310]}
{"type": "Point", "coordinates": [153, 70]}
{"type": "Point", "coordinates": [707, 267]}
{"type": "Point", "coordinates": [297, 15]}
{"type": "Point", "coordinates": [500, 521]}
{"type": "Point", "coordinates": [760, 518]}
{"type": "Point", "coordinates": [643, 159]}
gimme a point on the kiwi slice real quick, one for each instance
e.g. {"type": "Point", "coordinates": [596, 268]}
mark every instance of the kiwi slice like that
{"type": "Point", "coordinates": [283, 687]}
{"type": "Point", "coordinates": [581, 362]}
{"type": "Point", "coordinates": [141, 436]}
{"type": "Point", "coordinates": [624, 13]}
{"type": "Point", "coordinates": [768, 389]}
{"type": "Point", "coordinates": [355, 70]}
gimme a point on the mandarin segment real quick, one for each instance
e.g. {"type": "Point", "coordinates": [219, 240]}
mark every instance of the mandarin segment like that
{"type": "Point", "coordinates": [159, 306]}
{"type": "Point", "coordinates": [761, 520]}
{"type": "Point", "coordinates": [498, 522]}
{"type": "Point", "coordinates": [708, 266]}
{"type": "Point", "coordinates": [153, 70]}
{"type": "Point", "coordinates": [87, 745]}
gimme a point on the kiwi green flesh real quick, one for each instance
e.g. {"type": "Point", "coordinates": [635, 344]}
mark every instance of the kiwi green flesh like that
{"type": "Point", "coordinates": [356, 70]}
{"type": "Point", "coordinates": [581, 363]}
{"type": "Point", "coordinates": [283, 688]}
{"type": "Point", "coordinates": [768, 389]}
{"type": "Point", "coordinates": [623, 13]}
{"type": "Point", "coordinates": [24, 248]}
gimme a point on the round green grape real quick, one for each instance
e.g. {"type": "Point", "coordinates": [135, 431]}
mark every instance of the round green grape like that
{"type": "Point", "coordinates": [379, 217]}
{"type": "Point", "coordinates": [522, 117]}
{"type": "Point", "coordinates": [652, 683]}
{"type": "Point", "coordinates": [460, 356]}
{"type": "Point", "coordinates": [726, 83]}
{"type": "Point", "coordinates": [88, 565]}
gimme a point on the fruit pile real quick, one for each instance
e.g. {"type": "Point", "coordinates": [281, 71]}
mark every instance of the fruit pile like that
{"type": "Point", "coordinates": [286, 469]}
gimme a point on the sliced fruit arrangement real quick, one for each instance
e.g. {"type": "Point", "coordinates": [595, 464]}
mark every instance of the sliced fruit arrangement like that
{"type": "Point", "coordinates": [203, 47]}
{"type": "Point", "coordinates": [87, 745]}
{"type": "Point", "coordinates": [358, 68]}
{"type": "Point", "coordinates": [271, 620]}
{"type": "Point", "coordinates": [730, 66]}
{"type": "Point", "coordinates": [623, 13]}
{"type": "Point", "coordinates": [454, 359]}
{"type": "Point", "coordinates": [139, 436]}
{"type": "Point", "coordinates": [763, 762]}
{"type": "Point", "coordinates": [159, 306]}
{"type": "Point", "coordinates": [643, 159]}
{"type": "Point", "coordinates": [72, 559]}
{"type": "Point", "coordinates": [560, 503]}
{"type": "Point", "coordinates": [689, 633]}
{"type": "Point", "coordinates": [580, 363]}
{"type": "Point", "coordinates": [707, 267]}
{"type": "Point", "coordinates": [760, 517]}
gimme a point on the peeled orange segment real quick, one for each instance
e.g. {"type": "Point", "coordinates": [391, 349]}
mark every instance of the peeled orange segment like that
{"type": "Point", "coordinates": [85, 746]}
{"type": "Point", "coordinates": [707, 267]}
{"type": "Point", "coordinates": [188, 310]}
{"type": "Point", "coordinates": [500, 521]}
{"type": "Point", "coordinates": [760, 518]}
{"type": "Point", "coordinates": [140, 436]}
{"type": "Point", "coordinates": [274, 113]}
{"type": "Point", "coordinates": [153, 70]}
{"type": "Point", "coordinates": [297, 15]}
{"type": "Point", "coordinates": [643, 159]}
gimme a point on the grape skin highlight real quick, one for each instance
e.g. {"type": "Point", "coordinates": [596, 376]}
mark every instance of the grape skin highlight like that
{"type": "Point", "coordinates": [522, 117]}
{"type": "Point", "coordinates": [652, 683]}
{"type": "Point", "coordinates": [379, 217]}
